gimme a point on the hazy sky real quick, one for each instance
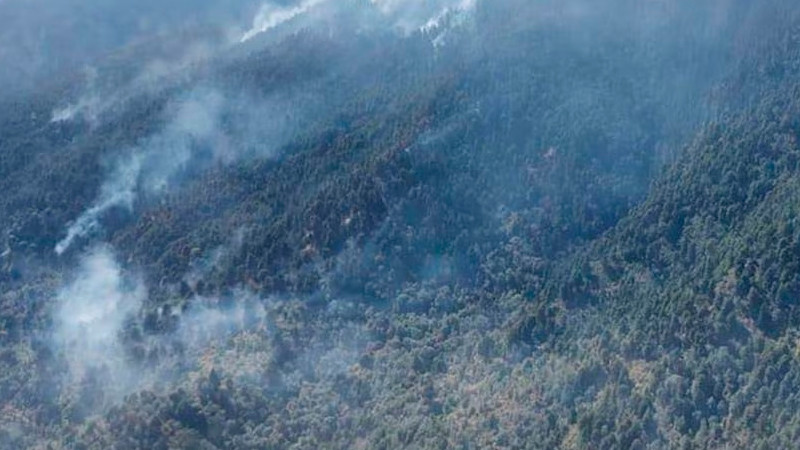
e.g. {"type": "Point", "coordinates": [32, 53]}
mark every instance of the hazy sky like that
{"type": "Point", "coordinates": [42, 37]}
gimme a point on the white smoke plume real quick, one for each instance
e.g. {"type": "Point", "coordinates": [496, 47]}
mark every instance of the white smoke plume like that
{"type": "Point", "coordinates": [420, 15]}
{"type": "Point", "coordinates": [271, 16]}
{"type": "Point", "coordinates": [194, 128]}
{"type": "Point", "coordinates": [195, 131]}
{"type": "Point", "coordinates": [91, 313]}
{"type": "Point", "coordinates": [235, 334]}
{"type": "Point", "coordinates": [407, 16]}
{"type": "Point", "coordinates": [87, 107]}
{"type": "Point", "coordinates": [83, 107]}
{"type": "Point", "coordinates": [152, 166]}
{"type": "Point", "coordinates": [118, 191]}
{"type": "Point", "coordinates": [90, 317]}
{"type": "Point", "coordinates": [203, 128]}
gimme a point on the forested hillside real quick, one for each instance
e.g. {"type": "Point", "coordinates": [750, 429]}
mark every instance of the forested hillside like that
{"type": "Point", "coordinates": [374, 224]}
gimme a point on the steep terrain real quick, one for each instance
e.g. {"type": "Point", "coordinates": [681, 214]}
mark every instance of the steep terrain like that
{"type": "Point", "coordinates": [521, 225]}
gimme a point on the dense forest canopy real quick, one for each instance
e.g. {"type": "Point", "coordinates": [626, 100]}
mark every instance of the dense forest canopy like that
{"type": "Point", "coordinates": [399, 224]}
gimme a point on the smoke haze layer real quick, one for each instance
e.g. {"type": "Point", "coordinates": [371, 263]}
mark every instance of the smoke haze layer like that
{"type": "Point", "coordinates": [383, 223]}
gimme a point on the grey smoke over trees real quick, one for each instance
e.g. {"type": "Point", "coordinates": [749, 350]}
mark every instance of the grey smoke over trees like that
{"type": "Point", "coordinates": [382, 223]}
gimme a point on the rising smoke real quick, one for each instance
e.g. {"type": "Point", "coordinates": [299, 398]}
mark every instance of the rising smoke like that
{"type": "Point", "coordinates": [216, 125]}
{"type": "Point", "coordinates": [193, 131]}
{"type": "Point", "coordinates": [239, 334]}
{"type": "Point", "coordinates": [90, 314]}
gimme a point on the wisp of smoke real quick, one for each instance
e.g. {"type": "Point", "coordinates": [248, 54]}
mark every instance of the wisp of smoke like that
{"type": "Point", "coordinates": [68, 112]}
{"type": "Point", "coordinates": [208, 322]}
{"type": "Point", "coordinates": [215, 260]}
{"type": "Point", "coordinates": [195, 125]}
{"type": "Point", "coordinates": [102, 100]}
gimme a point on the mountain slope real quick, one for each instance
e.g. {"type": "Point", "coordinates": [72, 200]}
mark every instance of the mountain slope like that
{"type": "Point", "coordinates": [528, 225]}
{"type": "Point", "coordinates": [695, 291]}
